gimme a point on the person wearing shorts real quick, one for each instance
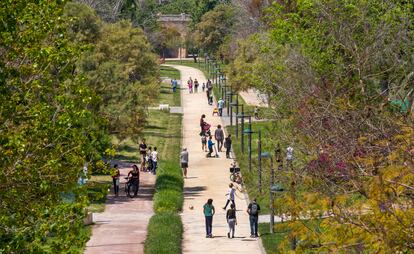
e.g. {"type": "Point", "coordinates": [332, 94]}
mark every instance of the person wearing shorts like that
{"type": "Point", "coordinates": [184, 161]}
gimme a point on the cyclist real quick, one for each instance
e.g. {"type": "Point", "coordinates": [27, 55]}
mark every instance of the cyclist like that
{"type": "Point", "coordinates": [133, 177]}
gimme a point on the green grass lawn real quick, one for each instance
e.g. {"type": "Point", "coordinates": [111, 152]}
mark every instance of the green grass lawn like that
{"type": "Point", "coordinates": [168, 72]}
{"type": "Point", "coordinates": [164, 131]}
{"type": "Point", "coordinates": [167, 96]}
{"type": "Point", "coordinates": [97, 188]}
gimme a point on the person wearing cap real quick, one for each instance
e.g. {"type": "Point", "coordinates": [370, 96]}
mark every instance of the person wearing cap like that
{"type": "Point", "coordinates": [184, 161]}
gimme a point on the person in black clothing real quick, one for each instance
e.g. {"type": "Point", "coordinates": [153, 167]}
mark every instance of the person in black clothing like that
{"type": "Point", "coordinates": [143, 153]}
{"type": "Point", "coordinates": [231, 220]}
{"type": "Point", "coordinates": [227, 145]}
{"type": "Point", "coordinates": [253, 211]}
{"type": "Point", "coordinates": [133, 177]}
{"type": "Point", "coordinates": [115, 179]}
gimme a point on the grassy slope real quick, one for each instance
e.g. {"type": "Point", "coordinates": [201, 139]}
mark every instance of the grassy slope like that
{"type": "Point", "coordinates": [164, 131]}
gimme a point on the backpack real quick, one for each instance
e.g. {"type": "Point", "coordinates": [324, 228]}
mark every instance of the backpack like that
{"type": "Point", "coordinates": [254, 209]}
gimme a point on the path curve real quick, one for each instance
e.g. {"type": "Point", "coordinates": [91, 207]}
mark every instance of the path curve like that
{"type": "Point", "coordinates": [122, 227]}
{"type": "Point", "coordinates": [208, 178]}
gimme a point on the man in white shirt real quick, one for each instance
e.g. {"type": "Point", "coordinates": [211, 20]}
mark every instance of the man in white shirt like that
{"type": "Point", "coordinates": [154, 157]}
{"type": "Point", "coordinates": [230, 196]}
{"type": "Point", "coordinates": [220, 105]}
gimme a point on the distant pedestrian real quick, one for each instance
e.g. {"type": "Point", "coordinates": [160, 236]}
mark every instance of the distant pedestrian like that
{"type": "Point", "coordinates": [196, 84]}
{"type": "Point", "coordinates": [253, 210]}
{"type": "Point", "coordinates": [210, 99]}
{"type": "Point", "coordinates": [184, 161]}
{"type": "Point", "coordinates": [227, 145]}
{"type": "Point", "coordinates": [148, 159]}
{"type": "Point", "coordinates": [174, 85]}
{"type": "Point", "coordinates": [204, 142]}
{"type": "Point", "coordinates": [219, 136]}
{"type": "Point", "coordinates": [115, 179]}
{"type": "Point", "coordinates": [210, 145]}
{"type": "Point", "coordinates": [203, 87]}
{"type": "Point", "coordinates": [190, 85]}
{"type": "Point", "coordinates": [230, 196]}
{"type": "Point", "coordinates": [208, 210]}
{"type": "Point", "coordinates": [289, 157]}
{"type": "Point", "coordinates": [220, 105]}
{"type": "Point", "coordinates": [154, 157]}
{"type": "Point", "coordinates": [209, 85]}
{"type": "Point", "coordinates": [231, 220]}
{"type": "Point", "coordinates": [143, 153]}
{"type": "Point", "coordinates": [256, 113]}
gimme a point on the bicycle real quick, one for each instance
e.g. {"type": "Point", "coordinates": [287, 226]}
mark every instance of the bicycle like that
{"type": "Point", "coordinates": [235, 175]}
{"type": "Point", "coordinates": [131, 188]}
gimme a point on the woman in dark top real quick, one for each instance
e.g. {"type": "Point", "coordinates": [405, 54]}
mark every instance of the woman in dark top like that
{"type": "Point", "coordinates": [202, 122]}
{"type": "Point", "coordinates": [143, 153]}
{"type": "Point", "coordinates": [133, 177]}
{"type": "Point", "coordinates": [231, 220]}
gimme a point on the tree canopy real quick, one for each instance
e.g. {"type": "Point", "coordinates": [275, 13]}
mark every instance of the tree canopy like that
{"type": "Point", "coordinates": [330, 69]}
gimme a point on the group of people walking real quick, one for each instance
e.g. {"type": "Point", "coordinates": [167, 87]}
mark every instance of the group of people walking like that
{"type": "Point", "coordinates": [253, 211]}
{"type": "Point", "coordinates": [208, 145]}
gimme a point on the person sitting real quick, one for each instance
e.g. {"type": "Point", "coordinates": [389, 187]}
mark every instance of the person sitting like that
{"type": "Point", "coordinates": [215, 111]}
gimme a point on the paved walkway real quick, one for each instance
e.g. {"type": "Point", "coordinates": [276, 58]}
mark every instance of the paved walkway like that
{"type": "Point", "coordinates": [122, 227]}
{"type": "Point", "coordinates": [208, 178]}
{"type": "Point", "coordinates": [253, 97]}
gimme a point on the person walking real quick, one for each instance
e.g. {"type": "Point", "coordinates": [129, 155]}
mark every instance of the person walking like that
{"type": "Point", "coordinates": [227, 145]}
{"type": "Point", "coordinates": [208, 210]}
{"type": "Point", "coordinates": [210, 145]}
{"type": "Point", "coordinates": [220, 105]}
{"type": "Point", "coordinates": [204, 142]}
{"type": "Point", "coordinates": [115, 179]}
{"type": "Point", "coordinates": [231, 220]}
{"type": "Point", "coordinates": [253, 210]}
{"type": "Point", "coordinates": [133, 178]}
{"type": "Point", "coordinates": [203, 87]}
{"type": "Point", "coordinates": [219, 136]}
{"type": "Point", "coordinates": [174, 85]}
{"type": "Point", "coordinates": [230, 196]}
{"type": "Point", "coordinates": [154, 157]}
{"type": "Point", "coordinates": [143, 152]}
{"type": "Point", "coordinates": [196, 84]}
{"type": "Point", "coordinates": [190, 85]}
{"type": "Point", "coordinates": [184, 161]}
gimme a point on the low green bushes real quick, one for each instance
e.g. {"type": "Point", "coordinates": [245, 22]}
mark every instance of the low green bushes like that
{"type": "Point", "coordinates": [169, 188]}
{"type": "Point", "coordinates": [164, 233]}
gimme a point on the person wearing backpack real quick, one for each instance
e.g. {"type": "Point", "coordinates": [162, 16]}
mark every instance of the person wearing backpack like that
{"type": "Point", "coordinates": [231, 220]}
{"type": "Point", "coordinates": [208, 210]}
{"type": "Point", "coordinates": [253, 210]}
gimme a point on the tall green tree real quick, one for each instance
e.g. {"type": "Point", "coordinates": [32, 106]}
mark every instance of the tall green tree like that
{"type": "Point", "coordinates": [331, 68]}
{"type": "Point", "coordinates": [47, 130]}
{"type": "Point", "coordinates": [215, 28]}
{"type": "Point", "coordinates": [123, 72]}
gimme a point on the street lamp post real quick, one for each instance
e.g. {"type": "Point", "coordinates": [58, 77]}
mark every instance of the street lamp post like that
{"type": "Point", "coordinates": [236, 105]}
{"type": "Point", "coordinates": [259, 162]}
{"type": "Point", "coordinates": [243, 131]}
{"type": "Point", "coordinates": [249, 131]}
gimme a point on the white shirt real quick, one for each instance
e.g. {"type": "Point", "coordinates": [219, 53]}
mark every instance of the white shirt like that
{"type": "Point", "coordinates": [231, 193]}
{"type": "Point", "coordinates": [154, 156]}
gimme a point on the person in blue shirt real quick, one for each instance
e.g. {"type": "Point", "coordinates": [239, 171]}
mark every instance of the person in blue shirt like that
{"type": "Point", "coordinates": [210, 145]}
{"type": "Point", "coordinates": [208, 210]}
